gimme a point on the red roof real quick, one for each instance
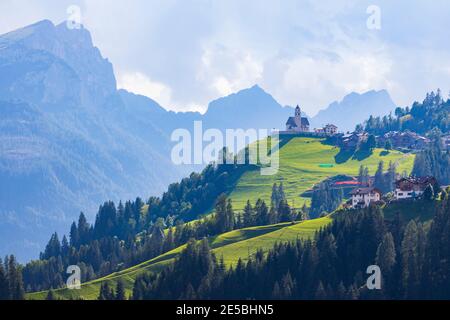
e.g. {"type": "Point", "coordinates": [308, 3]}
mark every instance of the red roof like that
{"type": "Point", "coordinates": [347, 183]}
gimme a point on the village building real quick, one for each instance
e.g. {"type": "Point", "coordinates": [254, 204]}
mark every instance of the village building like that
{"type": "Point", "coordinates": [352, 140]}
{"type": "Point", "coordinates": [297, 123]}
{"type": "Point", "coordinates": [412, 187]}
{"type": "Point", "coordinates": [406, 140]}
{"type": "Point", "coordinates": [329, 130]}
{"type": "Point", "coordinates": [363, 197]}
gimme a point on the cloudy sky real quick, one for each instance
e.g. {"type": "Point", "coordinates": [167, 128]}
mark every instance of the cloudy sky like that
{"type": "Point", "coordinates": [186, 53]}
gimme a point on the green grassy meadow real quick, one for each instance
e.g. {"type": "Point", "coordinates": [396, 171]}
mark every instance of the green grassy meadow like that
{"type": "Point", "coordinates": [305, 162]}
{"type": "Point", "coordinates": [231, 246]}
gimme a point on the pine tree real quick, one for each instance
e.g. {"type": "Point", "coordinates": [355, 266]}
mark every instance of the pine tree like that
{"type": "Point", "coordinates": [410, 267]}
{"type": "Point", "coordinates": [390, 177]}
{"type": "Point", "coordinates": [386, 260]}
{"type": "Point", "coordinates": [262, 215]}
{"type": "Point", "coordinates": [273, 216]}
{"type": "Point", "coordinates": [275, 199]}
{"type": "Point", "coordinates": [83, 229]}
{"type": "Point", "coordinates": [221, 214]}
{"type": "Point", "coordinates": [53, 248]}
{"type": "Point", "coordinates": [379, 181]}
{"type": "Point", "coordinates": [230, 219]}
{"type": "Point", "coordinates": [15, 283]}
{"type": "Point", "coordinates": [120, 290]}
{"type": "Point", "coordinates": [65, 247]}
{"type": "Point", "coordinates": [248, 215]}
{"type": "Point", "coordinates": [287, 285]}
{"type": "Point", "coordinates": [74, 237]}
{"type": "Point", "coordinates": [4, 286]}
{"type": "Point", "coordinates": [281, 195]}
{"type": "Point", "coordinates": [106, 293]}
{"type": "Point", "coordinates": [50, 295]}
{"type": "Point", "coordinates": [363, 175]}
{"type": "Point", "coordinates": [276, 291]}
{"type": "Point", "coordinates": [386, 254]}
{"type": "Point", "coordinates": [284, 212]}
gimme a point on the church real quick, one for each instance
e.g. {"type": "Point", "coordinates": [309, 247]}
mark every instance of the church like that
{"type": "Point", "coordinates": [297, 123]}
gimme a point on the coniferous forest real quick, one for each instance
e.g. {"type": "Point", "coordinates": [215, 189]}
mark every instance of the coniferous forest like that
{"type": "Point", "coordinates": [233, 151]}
{"type": "Point", "coordinates": [415, 259]}
{"type": "Point", "coordinates": [413, 254]}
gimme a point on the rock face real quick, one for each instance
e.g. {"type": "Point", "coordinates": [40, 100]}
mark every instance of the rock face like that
{"type": "Point", "coordinates": [67, 139]}
{"type": "Point", "coordinates": [70, 140]}
{"type": "Point", "coordinates": [355, 108]}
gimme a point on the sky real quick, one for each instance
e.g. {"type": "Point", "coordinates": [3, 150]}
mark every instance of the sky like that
{"type": "Point", "coordinates": [186, 53]}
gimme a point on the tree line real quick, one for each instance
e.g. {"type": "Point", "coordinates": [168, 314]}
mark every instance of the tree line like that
{"type": "Point", "coordinates": [434, 161]}
{"type": "Point", "coordinates": [112, 243]}
{"type": "Point", "coordinates": [414, 263]}
{"type": "Point", "coordinates": [130, 232]}
{"type": "Point", "coordinates": [432, 113]}
{"type": "Point", "coordinates": [11, 284]}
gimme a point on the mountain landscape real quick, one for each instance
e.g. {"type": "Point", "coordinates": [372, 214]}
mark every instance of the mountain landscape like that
{"type": "Point", "coordinates": [71, 140]}
{"type": "Point", "coordinates": [299, 162]}
{"type": "Point", "coordinates": [191, 153]}
{"type": "Point", "coordinates": [87, 184]}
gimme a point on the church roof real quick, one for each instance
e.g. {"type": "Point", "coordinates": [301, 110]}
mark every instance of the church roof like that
{"type": "Point", "coordinates": [291, 122]}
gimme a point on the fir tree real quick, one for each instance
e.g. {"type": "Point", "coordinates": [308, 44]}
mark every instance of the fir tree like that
{"type": "Point", "coordinates": [248, 215]}
{"type": "Point", "coordinates": [120, 291]}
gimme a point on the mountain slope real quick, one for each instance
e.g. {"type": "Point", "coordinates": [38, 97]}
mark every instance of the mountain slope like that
{"type": "Point", "coordinates": [300, 160]}
{"type": "Point", "coordinates": [299, 169]}
{"type": "Point", "coordinates": [68, 141]}
{"type": "Point", "coordinates": [353, 109]}
{"type": "Point", "coordinates": [232, 246]}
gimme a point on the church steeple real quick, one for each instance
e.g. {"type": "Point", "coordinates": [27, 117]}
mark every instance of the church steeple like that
{"type": "Point", "coordinates": [298, 112]}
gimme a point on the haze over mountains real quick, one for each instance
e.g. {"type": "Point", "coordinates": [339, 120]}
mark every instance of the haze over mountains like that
{"type": "Point", "coordinates": [355, 108]}
{"type": "Point", "coordinates": [70, 140]}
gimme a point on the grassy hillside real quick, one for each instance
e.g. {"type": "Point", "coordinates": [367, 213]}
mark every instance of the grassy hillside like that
{"type": "Point", "coordinates": [231, 246]}
{"type": "Point", "coordinates": [305, 162]}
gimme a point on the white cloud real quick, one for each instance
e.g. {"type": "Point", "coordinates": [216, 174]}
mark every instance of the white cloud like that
{"type": "Point", "coordinates": [139, 83]}
{"type": "Point", "coordinates": [228, 70]}
{"type": "Point", "coordinates": [187, 53]}
{"type": "Point", "coordinates": [313, 80]}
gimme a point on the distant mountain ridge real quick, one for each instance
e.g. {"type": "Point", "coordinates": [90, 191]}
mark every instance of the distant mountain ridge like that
{"type": "Point", "coordinates": [250, 108]}
{"type": "Point", "coordinates": [354, 109]}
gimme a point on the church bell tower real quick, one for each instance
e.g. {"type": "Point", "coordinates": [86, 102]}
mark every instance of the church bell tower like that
{"type": "Point", "coordinates": [298, 113]}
